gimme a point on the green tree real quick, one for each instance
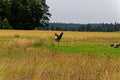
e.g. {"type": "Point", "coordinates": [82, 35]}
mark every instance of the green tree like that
{"type": "Point", "coordinates": [4, 24]}
{"type": "Point", "coordinates": [25, 14]}
{"type": "Point", "coordinates": [4, 13]}
{"type": "Point", "coordinates": [4, 9]}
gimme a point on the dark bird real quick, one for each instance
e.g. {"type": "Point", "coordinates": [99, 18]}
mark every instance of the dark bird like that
{"type": "Point", "coordinates": [115, 45]}
{"type": "Point", "coordinates": [58, 37]}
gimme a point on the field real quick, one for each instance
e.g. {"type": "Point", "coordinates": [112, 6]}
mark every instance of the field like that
{"type": "Point", "coordinates": [34, 55]}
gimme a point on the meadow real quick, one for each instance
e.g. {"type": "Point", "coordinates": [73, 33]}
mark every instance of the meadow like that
{"type": "Point", "coordinates": [34, 55]}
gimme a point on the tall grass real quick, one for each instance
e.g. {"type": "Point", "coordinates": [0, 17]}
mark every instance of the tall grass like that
{"type": "Point", "coordinates": [33, 55]}
{"type": "Point", "coordinates": [46, 65]}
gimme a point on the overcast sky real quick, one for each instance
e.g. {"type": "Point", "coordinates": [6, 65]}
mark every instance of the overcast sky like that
{"type": "Point", "coordinates": [84, 11]}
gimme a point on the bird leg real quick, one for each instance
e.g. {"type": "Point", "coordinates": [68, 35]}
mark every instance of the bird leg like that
{"type": "Point", "coordinates": [58, 43]}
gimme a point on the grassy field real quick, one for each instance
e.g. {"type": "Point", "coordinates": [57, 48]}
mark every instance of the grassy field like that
{"type": "Point", "coordinates": [34, 55]}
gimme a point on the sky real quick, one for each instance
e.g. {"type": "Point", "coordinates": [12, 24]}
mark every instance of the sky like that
{"type": "Point", "coordinates": [84, 11]}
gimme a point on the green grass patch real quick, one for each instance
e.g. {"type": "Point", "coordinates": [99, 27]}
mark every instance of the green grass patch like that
{"type": "Point", "coordinates": [83, 49]}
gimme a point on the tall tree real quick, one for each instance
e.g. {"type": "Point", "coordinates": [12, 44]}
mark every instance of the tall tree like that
{"type": "Point", "coordinates": [4, 13]}
{"type": "Point", "coordinates": [26, 14]}
{"type": "Point", "coordinates": [4, 9]}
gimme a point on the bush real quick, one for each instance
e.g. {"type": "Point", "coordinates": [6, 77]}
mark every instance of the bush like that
{"type": "Point", "coordinates": [4, 24]}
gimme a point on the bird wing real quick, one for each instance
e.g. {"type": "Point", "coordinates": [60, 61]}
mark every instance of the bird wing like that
{"type": "Point", "coordinates": [60, 35]}
{"type": "Point", "coordinates": [56, 34]}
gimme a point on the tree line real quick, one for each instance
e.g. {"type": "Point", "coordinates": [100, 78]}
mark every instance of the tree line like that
{"type": "Point", "coordinates": [94, 27]}
{"type": "Point", "coordinates": [23, 14]}
{"type": "Point", "coordinates": [31, 14]}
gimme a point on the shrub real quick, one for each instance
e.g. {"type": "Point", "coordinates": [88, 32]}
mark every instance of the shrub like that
{"type": "Point", "coordinates": [4, 24]}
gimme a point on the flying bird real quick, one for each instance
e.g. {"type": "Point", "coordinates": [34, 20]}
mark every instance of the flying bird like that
{"type": "Point", "coordinates": [58, 37]}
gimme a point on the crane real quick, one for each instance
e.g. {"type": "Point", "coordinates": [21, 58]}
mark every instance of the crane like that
{"type": "Point", "coordinates": [58, 37]}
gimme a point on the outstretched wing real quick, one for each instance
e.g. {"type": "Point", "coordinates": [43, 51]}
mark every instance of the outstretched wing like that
{"type": "Point", "coordinates": [56, 36]}
{"type": "Point", "coordinates": [60, 36]}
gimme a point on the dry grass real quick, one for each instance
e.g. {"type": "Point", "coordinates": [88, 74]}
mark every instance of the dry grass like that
{"type": "Point", "coordinates": [46, 65]}
{"type": "Point", "coordinates": [19, 60]}
{"type": "Point", "coordinates": [70, 38]}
